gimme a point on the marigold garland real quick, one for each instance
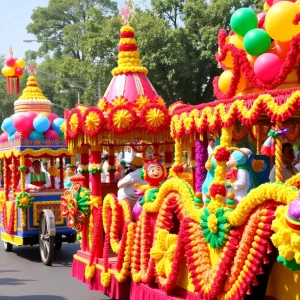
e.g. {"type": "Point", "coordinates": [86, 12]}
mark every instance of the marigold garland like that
{"type": "Point", "coordinates": [74, 123]}
{"type": "Point", "coordinates": [24, 200]}
{"type": "Point", "coordinates": [8, 216]}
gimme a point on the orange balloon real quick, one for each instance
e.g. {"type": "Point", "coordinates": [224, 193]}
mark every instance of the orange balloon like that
{"type": "Point", "coordinates": [235, 40]}
{"type": "Point", "coordinates": [225, 80]}
{"type": "Point", "coordinates": [280, 49]}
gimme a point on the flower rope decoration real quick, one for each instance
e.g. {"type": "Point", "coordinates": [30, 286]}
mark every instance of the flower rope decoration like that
{"type": "Point", "coordinates": [224, 113]}
{"type": "Point", "coordinates": [155, 117]}
{"type": "Point", "coordinates": [215, 227]}
{"type": "Point", "coordinates": [93, 121]}
{"type": "Point", "coordinates": [8, 216]}
{"type": "Point", "coordinates": [24, 200]}
{"type": "Point", "coordinates": [83, 169]}
{"type": "Point", "coordinates": [121, 119]}
{"type": "Point", "coordinates": [74, 206]}
{"type": "Point", "coordinates": [74, 123]}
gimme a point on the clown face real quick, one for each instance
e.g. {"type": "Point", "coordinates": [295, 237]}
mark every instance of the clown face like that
{"type": "Point", "coordinates": [155, 172]}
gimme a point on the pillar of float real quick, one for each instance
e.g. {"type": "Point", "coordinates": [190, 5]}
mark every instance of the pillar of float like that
{"type": "Point", "coordinates": [52, 177]}
{"type": "Point", "coordinates": [156, 151]}
{"type": "Point", "coordinates": [84, 162]}
{"type": "Point", "coordinates": [201, 155]}
{"type": "Point", "coordinates": [95, 158]}
{"type": "Point", "coordinates": [111, 163]}
{"type": "Point", "coordinates": [278, 156]}
{"type": "Point", "coordinates": [168, 155]}
{"type": "Point", "coordinates": [61, 173]}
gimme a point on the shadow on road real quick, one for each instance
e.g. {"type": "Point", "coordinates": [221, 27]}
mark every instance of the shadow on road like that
{"type": "Point", "coordinates": [34, 297]}
{"type": "Point", "coordinates": [13, 281]}
{"type": "Point", "coordinates": [9, 271]}
{"type": "Point", "coordinates": [61, 258]}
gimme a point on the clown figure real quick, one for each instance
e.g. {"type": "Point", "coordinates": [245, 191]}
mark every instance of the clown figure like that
{"type": "Point", "coordinates": [239, 178]}
{"type": "Point", "coordinates": [154, 173]}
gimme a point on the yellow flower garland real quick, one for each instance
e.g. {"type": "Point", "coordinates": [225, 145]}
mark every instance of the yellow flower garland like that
{"type": "Point", "coordinates": [89, 272]}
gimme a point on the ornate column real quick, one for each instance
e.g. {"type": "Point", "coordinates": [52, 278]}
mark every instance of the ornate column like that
{"type": "Point", "coordinates": [278, 156]}
{"type": "Point", "coordinates": [52, 177]}
{"type": "Point", "coordinates": [61, 173]}
{"type": "Point", "coordinates": [168, 155]}
{"type": "Point", "coordinates": [84, 161]}
{"type": "Point", "coordinates": [201, 156]}
{"type": "Point", "coordinates": [111, 163]}
{"type": "Point", "coordinates": [156, 152]}
{"type": "Point", "coordinates": [96, 200]}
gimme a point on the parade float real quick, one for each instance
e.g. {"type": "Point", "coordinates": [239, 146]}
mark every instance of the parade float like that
{"type": "Point", "coordinates": [131, 115]}
{"type": "Point", "coordinates": [29, 217]}
{"type": "Point", "coordinates": [232, 242]}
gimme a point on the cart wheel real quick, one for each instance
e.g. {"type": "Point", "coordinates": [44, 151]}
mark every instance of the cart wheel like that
{"type": "Point", "coordinates": [8, 246]}
{"type": "Point", "coordinates": [57, 244]}
{"type": "Point", "coordinates": [46, 236]}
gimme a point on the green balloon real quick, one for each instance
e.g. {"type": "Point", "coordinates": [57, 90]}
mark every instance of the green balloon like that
{"type": "Point", "coordinates": [243, 20]}
{"type": "Point", "coordinates": [257, 42]}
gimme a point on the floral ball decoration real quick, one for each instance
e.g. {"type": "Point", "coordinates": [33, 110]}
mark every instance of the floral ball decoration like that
{"type": "Point", "coordinates": [122, 119]}
{"type": "Point", "coordinates": [74, 206]}
{"type": "Point", "coordinates": [73, 123]}
{"type": "Point", "coordinates": [104, 105]}
{"type": "Point", "coordinates": [215, 227]}
{"type": "Point", "coordinates": [163, 252]}
{"type": "Point", "coordinates": [95, 168]}
{"type": "Point", "coordinates": [141, 102]}
{"type": "Point", "coordinates": [155, 117]}
{"type": "Point", "coordinates": [24, 200]}
{"type": "Point", "coordinates": [93, 121]}
{"type": "Point", "coordinates": [287, 237]}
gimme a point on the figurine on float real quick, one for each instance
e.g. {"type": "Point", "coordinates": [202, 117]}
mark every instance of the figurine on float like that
{"type": "Point", "coordinates": [154, 173]}
{"type": "Point", "coordinates": [240, 177]}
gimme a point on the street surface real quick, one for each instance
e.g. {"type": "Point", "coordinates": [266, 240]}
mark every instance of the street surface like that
{"type": "Point", "coordinates": [23, 276]}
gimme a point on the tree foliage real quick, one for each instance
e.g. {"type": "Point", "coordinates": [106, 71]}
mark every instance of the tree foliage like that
{"type": "Point", "coordinates": [177, 41]}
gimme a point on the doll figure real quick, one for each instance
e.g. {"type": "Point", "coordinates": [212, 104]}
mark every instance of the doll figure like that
{"type": "Point", "coordinates": [239, 178]}
{"type": "Point", "coordinates": [154, 173]}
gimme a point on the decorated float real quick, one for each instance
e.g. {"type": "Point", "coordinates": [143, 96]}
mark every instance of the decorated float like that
{"type": "Point", "coordinates": [28, 216]}
{"type": "Point", "coordinates": [228, 233]}
{"type": "Point", "coordinates": [131, 115]}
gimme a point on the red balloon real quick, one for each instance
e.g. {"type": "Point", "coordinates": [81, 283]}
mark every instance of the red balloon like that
{"type": "Point", "coordinates": [10, 62]}
{"type": "Point", "coordinates": [25, 135]}
{"type": "Point", "coordinates": [18, 71]}
{"type": "Point", "coordinates": [52, 117]}
{"type": "Point", "coordinates": [51, 135]}
{"type": "Point", "coordinates": [22, 123]}
{"type": "Point", "coordinates": [3, 137]}
{"type": "Point", "coordinates": [31, 116]}
{"type": "Point", "coordinates": [28, 163]}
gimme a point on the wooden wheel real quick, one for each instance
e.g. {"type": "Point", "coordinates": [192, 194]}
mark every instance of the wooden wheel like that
{"type": "Point", "coordinates": [46, 236]}
{"type": "Point", "coordinates": [8, 246]}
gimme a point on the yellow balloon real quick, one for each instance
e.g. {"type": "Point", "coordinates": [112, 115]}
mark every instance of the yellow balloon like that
{"type": "Point", "coordinates": [20, 63]}
{"type": "Point", "coordinates": [225, 80]}
{"type": "Point", "coordinates": [5, 71]}
{"type": "Point", "coordinates": [279, 21]}
{"type": "Point", "coordinates": [238, 42]}
{"type": "Point", "coordinates": [10, 71]}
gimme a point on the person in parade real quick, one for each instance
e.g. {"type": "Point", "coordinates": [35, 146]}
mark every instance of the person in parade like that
{"type": "Point", "coordinates": [37, 179]}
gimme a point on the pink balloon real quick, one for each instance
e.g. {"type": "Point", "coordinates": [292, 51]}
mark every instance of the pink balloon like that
{"type": "Point", "coordinates": [10, 62]}
{"type": "Point", "coordinates": [51, 135]}
{"type": "Point", "coordinates": [17, 135]}
{"type": "Point", "coordinates": [267, 66]}
{"type": "Point", "coordinates": [269, 2]}
{"type": "Point", "coordinates": [52, 117]}
{"type": "Point", "coordinates": [31, 116]}
{"type": "Point", "coordinates": [3, 137]}
{"type": "Point", "coordinates": [22, 123]}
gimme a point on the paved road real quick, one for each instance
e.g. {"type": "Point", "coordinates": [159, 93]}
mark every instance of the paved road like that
{"type": "Point", "coordinates": [23, 276]}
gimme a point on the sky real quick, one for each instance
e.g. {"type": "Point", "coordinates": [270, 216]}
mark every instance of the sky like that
{"type": "Point", "coordinates": [15, 16]}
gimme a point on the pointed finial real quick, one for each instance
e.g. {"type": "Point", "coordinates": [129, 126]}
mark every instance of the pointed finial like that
{"type": "Point", "coordinates": [11, 53]}
{"type": "Point", "coordinates": [127, 12]}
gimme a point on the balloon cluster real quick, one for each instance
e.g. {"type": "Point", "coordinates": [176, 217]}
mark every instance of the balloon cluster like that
{"type": "Point", "coordinates": [32, 126]}
{"type": "Point", "coordinates": [265, 37]}
{"type": "Point", "coordinates": [13, 67]}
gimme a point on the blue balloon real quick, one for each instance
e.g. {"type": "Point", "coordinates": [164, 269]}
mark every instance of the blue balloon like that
{"type": "Point", "coordinates": [11, 136]}
{"type": "Point", "coordinates": [8, 125]}
{"type": "Point", "coordinates": [41, 123]}
{"type": "Point", "coordinates": [35, 135]}
{"type": "Point", "coordinates": [56, 125]}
